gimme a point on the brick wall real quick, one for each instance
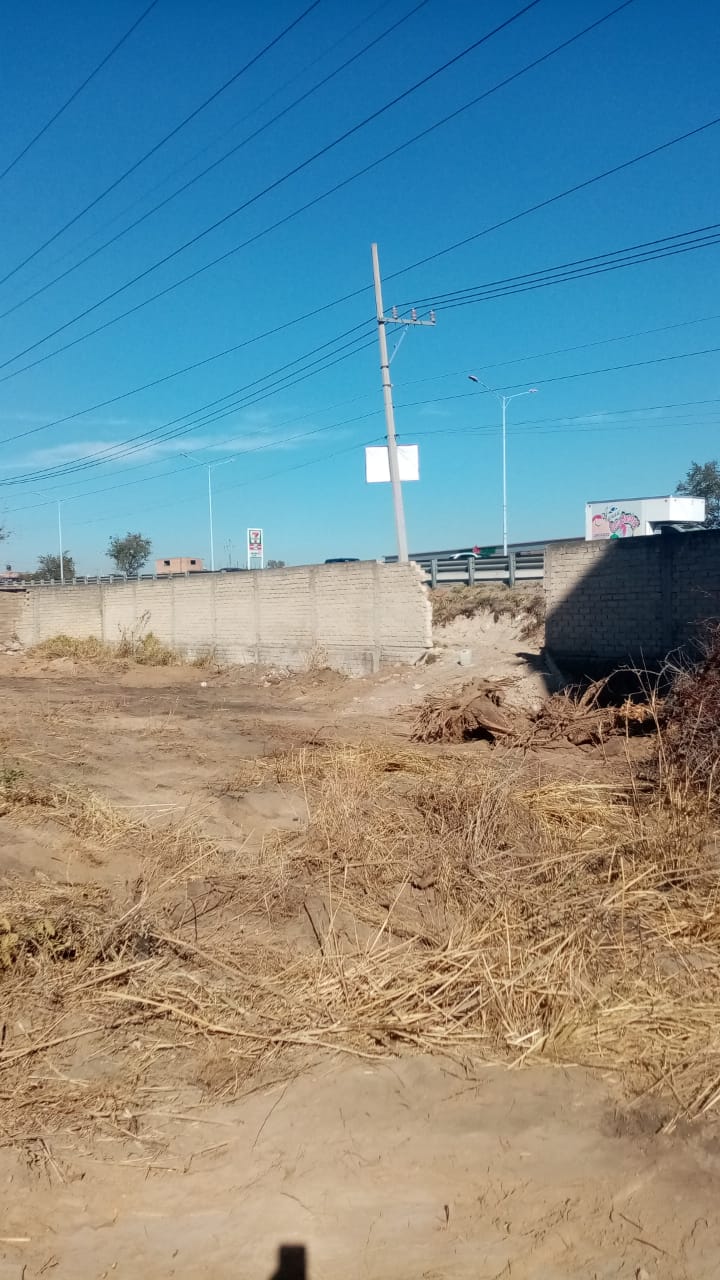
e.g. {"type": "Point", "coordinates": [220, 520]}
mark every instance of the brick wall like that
{"type": "Point", "coordinates": [352, 617]}
{"type": "Point", "coordinates": [618, 601]}
{"type": "Point", "coordinates": [12, 605]}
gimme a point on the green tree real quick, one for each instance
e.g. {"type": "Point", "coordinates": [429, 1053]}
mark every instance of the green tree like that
{"type": "Point", "coordinates": [49, 567]}
{"type": "Point", "coordinates": [703, 481]}
{"type": "Point", "coordinates": [129, 553]}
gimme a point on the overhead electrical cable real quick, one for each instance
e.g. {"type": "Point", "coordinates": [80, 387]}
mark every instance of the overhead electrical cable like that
{"type": "Point", "coordinates": [250, 394]}
{"type": "Point", "coordinates": [456, 296]}
{"type": "Point", "coordinates": [531, 424]}
{"type": "Point", "coordinates": [173, 133]}
{"type": "Point", "coordinates": [185, 164]}
{"type": "Point", "coordinates": [319, 310]}
{"type": "Point", "coordinates": [76, 92]}
{"type": "Point", "coordinates": [561, 195]}
{"type": "Point", "coordinates": [338, 186]}
{"type": "Point", "coordinates": [220, 160]}
{"type": "Point", "coordinates": [273, 186]}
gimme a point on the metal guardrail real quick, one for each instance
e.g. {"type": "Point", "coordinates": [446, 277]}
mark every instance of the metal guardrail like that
{"type": "Point", "coordinates": [442, 568]}
{"type": "Point", "coordinates": [467, 570]}
{"type": "Point", "coordinates": [22, 584]}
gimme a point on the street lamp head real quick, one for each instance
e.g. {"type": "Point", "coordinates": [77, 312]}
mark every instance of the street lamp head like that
{"type": "Point", "coordinates": [472, 377]}
{"type": "Point", "coordinates": [533, 391]}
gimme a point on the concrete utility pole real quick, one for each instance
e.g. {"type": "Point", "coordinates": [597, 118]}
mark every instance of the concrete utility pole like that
{"type": "Point", "coordinates": [382, 322]}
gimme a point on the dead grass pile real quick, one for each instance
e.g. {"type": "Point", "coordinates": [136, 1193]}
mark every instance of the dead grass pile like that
{"type": "Point", "coordinates": [478, 710]}
{"type": "Point", "coordinates": [144, 650]}
{"type": "Point", "coordinates": [453, 909]}
{"type": "Point", "coordinates": [525, 601]}
{"type": "Point", "coordinates": [309, 764]}
{"type": "Point", "coordinates": [690, 741]}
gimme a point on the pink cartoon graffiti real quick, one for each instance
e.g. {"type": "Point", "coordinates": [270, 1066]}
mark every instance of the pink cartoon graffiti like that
{"type": "Point", "coordinates": [614, 523]}
{"type": "Point", "coordinates": [622, 523]}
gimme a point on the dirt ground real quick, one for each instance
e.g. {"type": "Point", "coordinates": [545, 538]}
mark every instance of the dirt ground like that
{"type": "Point", "coordinates": [382, 1166]}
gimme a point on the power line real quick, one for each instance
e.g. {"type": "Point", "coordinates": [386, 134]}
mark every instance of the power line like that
{"type": "Point", "coordinates": [173, 132]}
{"type": "Point", "coordinates": [103, 404]}
{"type": "Point", "coordinates": [633, 260]}
{"type": "Point", "coordinates": [531, 425]}
{"type": "Point", "coordinates": [164, 433]}
{"type": "Point", "coordinates": [562, 351]}
{"type": "Point", "coordinates": [76, 92]}
{"type": "Point", "coordinates": [298, 168]}
{"type": "Point", "coordinates": [109, 222]}
{"type": "Point", "coordinates": [220, 160]}
{"type": "Point", "coordinates": [338, 186]}
{"type": "Point", "coordinates": [325, 457]}
{"type": "Point", "coordinates": [272, 444]}
{"type": "Point", "coordinates": [197, 364]}
{"type": "Point", "coordinates": [561, 195]}
{"type": "Point", "coordinates": [112, 454]}
{"type": "Point", "coordinates": [453, 295]}
{"type": "Point", "coordinates": [317, 200]}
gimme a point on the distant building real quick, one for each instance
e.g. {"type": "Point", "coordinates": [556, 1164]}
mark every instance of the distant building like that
{"type": "Point", "coordinates": [179, 564]}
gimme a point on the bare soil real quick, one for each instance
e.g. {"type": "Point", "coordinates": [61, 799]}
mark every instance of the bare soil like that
{"type": "Point", "coordinates": [383, 1166]}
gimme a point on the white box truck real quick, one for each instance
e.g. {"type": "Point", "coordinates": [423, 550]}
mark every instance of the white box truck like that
{"type": "Point", "coordinates": [640, 517]}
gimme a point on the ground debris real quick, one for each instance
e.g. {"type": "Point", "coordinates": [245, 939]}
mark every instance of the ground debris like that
{"type": "Point", "coordinates": [479, 710]}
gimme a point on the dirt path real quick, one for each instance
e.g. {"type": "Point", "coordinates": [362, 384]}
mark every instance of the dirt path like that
{"type": "Point", "coordinates": [390, 1170]}
{"type": "Point", "coordinates": [385, 1168]}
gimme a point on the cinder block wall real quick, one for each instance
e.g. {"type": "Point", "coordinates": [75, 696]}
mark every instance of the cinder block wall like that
{"type": "Point", "coordinates": [352, 617]}
{"type": "Point", "coordinates": [623, 601]}
{"type": "Point", "coordinates": [12, 605]}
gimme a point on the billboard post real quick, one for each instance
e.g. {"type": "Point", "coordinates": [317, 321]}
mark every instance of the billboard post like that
{"type": "Point", "coordinates": [255, 550]}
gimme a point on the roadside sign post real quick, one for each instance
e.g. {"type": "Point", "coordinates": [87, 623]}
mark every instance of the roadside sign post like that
{"type": "Point", "coordinates": [255, 550]}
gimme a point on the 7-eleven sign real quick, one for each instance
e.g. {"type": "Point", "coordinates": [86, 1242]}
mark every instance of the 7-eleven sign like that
{"type": "Point", "coordinates": [255, 548]}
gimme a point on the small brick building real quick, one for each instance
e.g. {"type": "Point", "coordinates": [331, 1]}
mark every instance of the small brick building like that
{"type": "Point", "coordinates": [179, 564]}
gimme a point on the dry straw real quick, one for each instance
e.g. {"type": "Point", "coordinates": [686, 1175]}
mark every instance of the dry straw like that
{"type": "Point", "coordinates": [448, 906]}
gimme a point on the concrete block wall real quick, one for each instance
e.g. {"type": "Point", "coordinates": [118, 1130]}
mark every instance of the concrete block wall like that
{"type": "Point", "coordinates": [12, 604]}
{"type": "Point", "coordinates": [351, 617]}
{"type": "Point", "coordinates": [630, 600]}
{"type": "Point", "coordinates": [695, 582]}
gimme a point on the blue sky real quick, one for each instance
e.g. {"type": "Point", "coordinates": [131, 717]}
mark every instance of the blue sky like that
{"type": "Point", "coordinates": [646, 75]}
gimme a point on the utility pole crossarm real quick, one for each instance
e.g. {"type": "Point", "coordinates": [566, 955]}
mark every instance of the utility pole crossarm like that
{"type": "Point", "coordinates": [394, 318]}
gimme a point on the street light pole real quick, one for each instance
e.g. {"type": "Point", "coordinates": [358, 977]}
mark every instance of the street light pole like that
{"type": "Point", "coordinates": [60, 540]}
{"type": "Point", "coordinates": [210, 509]}
{"type": "Point", "coordinates": [504, 401]}
{"type": "Point", "coordinates": [211, 467]}
{"type": "Point", "coordinates": [504, 470]}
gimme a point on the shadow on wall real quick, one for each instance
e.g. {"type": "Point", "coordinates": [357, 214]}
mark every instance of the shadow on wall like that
{"type": "Point", "coordinates": [629, 601]}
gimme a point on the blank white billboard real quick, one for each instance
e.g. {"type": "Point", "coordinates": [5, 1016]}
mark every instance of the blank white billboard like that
{"type": "Point", "coordinates": [377, 463]}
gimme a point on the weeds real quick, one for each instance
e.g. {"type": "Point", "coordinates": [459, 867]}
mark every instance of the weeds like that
{"type": "Point", "coordinates": [690, 722]}
{"type": "Point", "coordinates": [145, 650]}
{"type": "Point", "coordinates": [454, 907]}
{"type": "Point", "coordinates": [525, 602]}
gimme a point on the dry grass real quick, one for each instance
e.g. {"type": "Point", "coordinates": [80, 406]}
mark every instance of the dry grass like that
{"type": "Point", "coordinates": [449, 907]}
{"type": "Point", "coordinates": [144, 650]}
{"type": "Point", "coordinates": [301, 766]}
{"type": "Point", "coordinates": [525, 601]}
{"type": "Point", "coordinates": [690, 717]}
